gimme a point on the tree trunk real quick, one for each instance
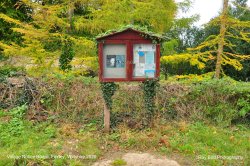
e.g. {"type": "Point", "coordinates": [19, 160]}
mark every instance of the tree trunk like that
{"type": "Point", "coordinates": [222, 39]}
{"type": "Point", "coordinates": [70, 16]}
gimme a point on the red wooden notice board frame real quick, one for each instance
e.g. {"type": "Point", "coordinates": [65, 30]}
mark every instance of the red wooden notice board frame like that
{"type": "Point", "coordinates": [129, 37]}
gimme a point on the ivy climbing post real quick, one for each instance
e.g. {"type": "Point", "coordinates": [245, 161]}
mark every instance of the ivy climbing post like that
{"type": "Point", "coordinates": [149, 88]}
{"type": "Point", "coordinates": [108, 90]}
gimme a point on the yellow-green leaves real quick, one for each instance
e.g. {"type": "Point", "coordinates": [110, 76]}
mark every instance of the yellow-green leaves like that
{"type": "Point", "coordinates": [9, 19]}
{"type": "Point", "coordinates": [178, 58]}
{"type": "Point", "coordinates": [111, 14]}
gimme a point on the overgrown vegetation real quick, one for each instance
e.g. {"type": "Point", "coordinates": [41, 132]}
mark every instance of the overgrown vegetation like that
{"type": "Point", "coordinates": [108, 90]}
{"type": "Point", "coordinates": [57, 116]}
{"type": "Point", "coordinates": [73, 107]}
{"type": "Point", "coordinates": [218, 103]}
{"type": "Point", "coordinates": [67, 55]}
{"type": "Point", "coordinates": [149, 88]}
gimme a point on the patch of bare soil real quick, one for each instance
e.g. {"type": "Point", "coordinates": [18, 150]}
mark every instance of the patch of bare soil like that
{"type": "Point", "coordinates": [138, 159]}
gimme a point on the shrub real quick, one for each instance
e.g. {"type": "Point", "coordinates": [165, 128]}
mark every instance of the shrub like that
{"type": "Point", "coordinates": [87, 66]}
{"type": "Point", "coordinates": [219, 101]}
{"type": "Point", "coordinates": [78, 99]}
{"type": "Point", "coordinates": [10, 71]}
{"type": "Point", "coordinates": [53, 44]}
{"type": "Point", "coordinates": [67, 55]}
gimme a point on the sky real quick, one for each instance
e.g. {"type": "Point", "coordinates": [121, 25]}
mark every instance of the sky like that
{"type": "Point", "coordinates": [207, 9]}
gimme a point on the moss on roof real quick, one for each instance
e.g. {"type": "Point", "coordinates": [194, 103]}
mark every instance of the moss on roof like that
{"type": "Point", "coordinates": [145, 32]}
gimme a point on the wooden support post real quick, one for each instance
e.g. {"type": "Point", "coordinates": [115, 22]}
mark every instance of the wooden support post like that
{"type": "Point", "coordinates": [106, 119]}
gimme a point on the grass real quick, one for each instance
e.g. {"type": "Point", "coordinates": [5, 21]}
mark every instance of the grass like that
{"type": "Point", "coordinates": [24, 143]}
{"type": "Point", "coordinates": [197, 141]}
{"type": "Point", "coordinates": [202, 141]}
{"type": "Point", "coordinates": [29, 142]}
{"type": "Point", "coordinates": [119, 162]}
{"type": "Point", "coordinates": [196, 131]}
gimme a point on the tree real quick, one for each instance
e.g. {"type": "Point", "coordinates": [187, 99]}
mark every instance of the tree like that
{"type": "Point", "coordinates": [13, 9]}
{"type": "Point", "coordinates": [221, 42]}
{"type": "Point", "coordinates": [240, 11]}
{"type": "Point", "coordinates": [104, 15]}
{"type": "Point", "coordinates": [81, 20]}
{"type": "Point", "coordinates": [182, 35]}
{"type": "Point", "coordinates": [203, 46]}
{"type": "Point", "coordinates": [220, 46]}
{"type": "Point", "coordinates": [237, 10]}
{"type": "Point", "coordinates": [42, 37]}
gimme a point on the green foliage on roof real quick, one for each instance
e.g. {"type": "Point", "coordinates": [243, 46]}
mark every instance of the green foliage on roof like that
{"type": "Point", "coordinates": [144, 32]}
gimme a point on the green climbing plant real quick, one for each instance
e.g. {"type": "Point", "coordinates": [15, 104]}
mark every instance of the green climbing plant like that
{"type": "Point", "coordinates": [149, 89]}
{"type": "Point", "coordinates": [108, 90]}
{"type": "Point", "coordinates": [67, 55]}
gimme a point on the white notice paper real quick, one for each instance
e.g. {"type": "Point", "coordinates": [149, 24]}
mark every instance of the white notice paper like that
{"type": "Point", "coordinates": [148, 47]}
{"type": "Point", "coordinates": [136, 58]}
{"type": "Point", "coordinates": [139, 69]}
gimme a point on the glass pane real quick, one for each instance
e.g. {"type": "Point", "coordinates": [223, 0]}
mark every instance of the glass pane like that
{"type": "Point", "coordinates": [144, 60]}
{"type": "Point", "coordinates": [114, 61]}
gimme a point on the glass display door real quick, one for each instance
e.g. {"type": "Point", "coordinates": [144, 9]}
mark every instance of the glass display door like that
{"type": "Point", "coordinates": [114, 61]}
{"type": "Point", "coordinates": [144, 60]}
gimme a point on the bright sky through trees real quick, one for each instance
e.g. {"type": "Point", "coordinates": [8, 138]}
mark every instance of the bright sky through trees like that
{"type": "Point", "coordinates": [207, 9]}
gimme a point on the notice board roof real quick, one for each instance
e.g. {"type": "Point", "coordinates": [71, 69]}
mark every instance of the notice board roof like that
{"type": "Point", "coordinates": [142, 33]}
